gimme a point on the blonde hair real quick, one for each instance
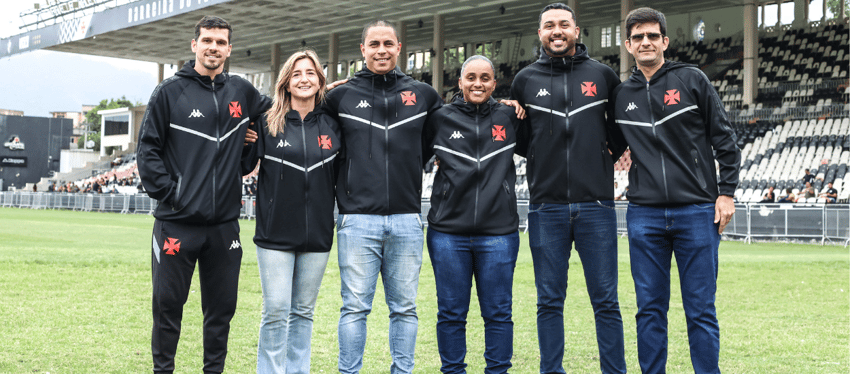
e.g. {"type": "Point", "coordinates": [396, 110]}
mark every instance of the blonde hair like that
{"type": "Point", "coordinates": [276, 115]}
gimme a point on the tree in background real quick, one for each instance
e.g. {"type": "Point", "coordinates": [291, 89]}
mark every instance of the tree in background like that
{"type": "Point", "coordinates": [833, 5]}
{"type": "Point", "coordinates": [93, 119]}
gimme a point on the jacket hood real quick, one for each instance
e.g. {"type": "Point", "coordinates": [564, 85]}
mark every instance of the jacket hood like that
{"type": "Point", "coordinates": [292, 116]}
{"type": "Point", "coordinates": [390, 76]}
{"type": "Point", "coordinates": [667, 66]}
{"type": "Point", "coordinates": [188, 71]}
{"type": "Point", "coordinates": [559, 63]}
{"type": "Point", "coordinates": [470, 109]}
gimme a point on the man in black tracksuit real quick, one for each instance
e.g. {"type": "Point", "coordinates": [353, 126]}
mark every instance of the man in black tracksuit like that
{"type": "Point", "coordinates": [571, 177]}
{"type": "Point", "coordinates": [382, 113]}
{"type": "Point", "coordinates": [189, 148]}
{"type": "Point", "coordinates": [675, 126]}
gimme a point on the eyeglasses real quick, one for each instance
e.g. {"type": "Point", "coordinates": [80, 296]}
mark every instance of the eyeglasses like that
{"type": "Point", "coordinates": [653, 37]}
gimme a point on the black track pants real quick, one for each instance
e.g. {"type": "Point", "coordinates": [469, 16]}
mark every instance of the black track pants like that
{"type": "Point", "coordinates": [218, 252]}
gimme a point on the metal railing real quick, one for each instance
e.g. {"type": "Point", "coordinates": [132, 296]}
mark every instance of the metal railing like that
{"type": "Point", "coordinates": [824, 223]}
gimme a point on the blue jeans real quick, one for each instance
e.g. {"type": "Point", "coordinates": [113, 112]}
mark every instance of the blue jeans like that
{"type": "Point", "coordinates": [491, 260]}
{"type": "Point", "coordinates": [391, 246]}
{"type": "Point", "coordinates": [291, 282]}
{"type": "Point", "coordinates": [552, 230]}
{"type": "Point", "coordinates": [689, 233]}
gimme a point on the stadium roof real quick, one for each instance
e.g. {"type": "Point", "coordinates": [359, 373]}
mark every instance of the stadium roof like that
{"type": "Point", "coordinates": [163, 31]}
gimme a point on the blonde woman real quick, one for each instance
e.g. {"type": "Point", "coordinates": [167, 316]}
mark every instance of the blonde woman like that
{"type": "Point", "coordinates": [295, 202]}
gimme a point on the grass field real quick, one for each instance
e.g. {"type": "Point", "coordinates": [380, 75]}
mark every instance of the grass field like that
{"type": "Point", "coordinates": [75, 298]}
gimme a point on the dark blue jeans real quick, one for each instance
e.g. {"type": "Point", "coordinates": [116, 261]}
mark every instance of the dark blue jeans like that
{"type": "Point", "coordinates": [689, 233]}
{"type": "Point", "coordinates": [491, 260]}
{"type": "Point", "coordinates": [552, 230]}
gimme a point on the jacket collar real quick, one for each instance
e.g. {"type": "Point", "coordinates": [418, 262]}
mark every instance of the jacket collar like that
{"type": "Point", "coordinates": [387, 79]}
{"type": "Point", "coordinates": [563, 63]}
{"type": "Point", "coordinates": [188, 71]}
{"type": "Point", "coordinates": [471, 109]}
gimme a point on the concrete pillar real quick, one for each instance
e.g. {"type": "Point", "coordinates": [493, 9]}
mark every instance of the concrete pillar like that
{"type": "Point", "coordinates": [161, 73]}
{"type": "Point", "coordinates": [626, 60]}
{"type": "Point", "coordinates": [823, 17]}
{"type": "Point", "coordinates": [763, 21]}
{"type": "Point", "coordinates": [842, 9]}
{"type": "Point", "coordinates": [437, 59]}
{"type": "Point", "coordinates": [779, 18]}
{"type": "Point", "coordinates": [333, 57]}
{"type": "Point", "coordinates": [275, 65]}
{"type": "Point", "coordinates": [573, 4]}
{"type": "Point", "coordinates": [402, 38]}
{"type": "Point", "coordinates": [801, 13]}
{"type": "Point", "coordinates": [750, 90]}
{"type": "Point", "coordinates": [180, 64]}
{"type": "Point", "coordinates": [227, 64]}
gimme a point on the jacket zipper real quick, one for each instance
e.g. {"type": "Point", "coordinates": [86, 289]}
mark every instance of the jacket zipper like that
{"type": "Point", "coordinates": [477, 168]}
{"type": "Point", "coordinates": [217, 147]}
{"type": "Point", "coordinates": [660, 152]}
{"type": "Point", "coordinates": [567, 128]}
{"type": "Point", "coordinates": [386, 142]}
{"type": "Point", "coordinates": [306, 189]}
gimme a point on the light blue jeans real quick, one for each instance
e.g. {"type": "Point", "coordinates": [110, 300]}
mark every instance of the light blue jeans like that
{"type": "Point", "coordinates": [291, 282]}
{"type": "Point", "coordinates": [391, 246]}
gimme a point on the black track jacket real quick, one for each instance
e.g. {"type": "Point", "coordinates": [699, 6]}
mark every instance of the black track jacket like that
{"type": "Point", "coordinates": [190, 144]}
{"type": "Point", "coordinates": [473, 190]}
{"type": "Point", "coordinates": [382, 119]}
{"type": "Point", "coordinates": [571, 128]}
{"type": "Point", "coordinates": [295, 187]}
{"type": "Point", "coordinates": [671, 124]}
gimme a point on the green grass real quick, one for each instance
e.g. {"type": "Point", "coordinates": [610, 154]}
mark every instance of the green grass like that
{"type": "Point", "coordinates": [75, 298]}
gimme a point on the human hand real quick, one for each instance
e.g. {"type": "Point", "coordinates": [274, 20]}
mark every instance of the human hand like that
{"type": "Point", "coordinates": [337, 83]}
{"type": "Point", "coordinates": [724, 208]}
{"type": "Point", "coordinates": [518, 109]}
{"type": "Point", "coordinates": [250, 136]}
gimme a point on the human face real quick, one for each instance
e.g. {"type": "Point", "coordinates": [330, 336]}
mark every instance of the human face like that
{"type": "Point", "coordinates": [211, 49]}
{"type": "Point", "coordinates": [477, 82]}
{"type": "Point", "coordinates": [304, 83]}
{"type": "Point", "coordinates": [558, 33]}
{"type": "Point", "coordinates": [647, 53]}
{"type": "Point", "coordinates": [381, 49]}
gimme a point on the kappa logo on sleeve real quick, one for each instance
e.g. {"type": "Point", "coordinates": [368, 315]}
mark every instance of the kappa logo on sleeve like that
{"type": "Point", "coordinates": [171, 246]}
{"type": "Point", "coordinates": [235, 109]}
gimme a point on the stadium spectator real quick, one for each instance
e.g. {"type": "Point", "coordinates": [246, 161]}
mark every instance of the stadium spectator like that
{"type": "Point", "coordinates": [51, 187]}
{"type": "Point", "coordinates": [473, 221]}
{"type": "Point", "coordinates": [807, 192]}
{"type": "Point", "coordinates": [769, 196]}
{"type": "Point", "coordinates": [623, 196]}
{"type": "Point", "coordinates": [294, 230]}
{"type": "Point", "coordinates": [572, 185]}
{"type": "Point", "coordinates": [192, 168]}
{"type": "Point", "coordinates": [679, 205]}
{"type": "Point", "coordinates": [809, 177]}
{"type": "Point", "coordinates": [789, 196]}
{"type": "Point", "coordinates": [380, 229]}
{"type": "Point", "coordinates": [831, 194]}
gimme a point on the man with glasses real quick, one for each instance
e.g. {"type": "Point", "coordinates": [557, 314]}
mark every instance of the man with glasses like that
{"type": "Point", "coordinates": [675, 126]}
{"type": "Point", "coordinates": [571, 177]}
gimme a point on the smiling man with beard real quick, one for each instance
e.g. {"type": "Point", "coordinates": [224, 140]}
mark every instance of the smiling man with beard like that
{"type": "Point", "coordinates": [190, 146]}
{"type": "Point", "coordinates": [571, 178]}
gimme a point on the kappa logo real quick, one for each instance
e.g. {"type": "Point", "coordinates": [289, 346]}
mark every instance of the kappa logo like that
{"type": "Point", "coordinates": [325, 142]}
{"type": "Point", "coordinates": [363, 104]}
{"type": "Point", "coordinates": [283, 143]}
{"type": "Point", "coordinates": [498, 133]}
{"type": "Point", "coordinates": [456, 135]}
{"type": "Point", "coordinates": [171, 246]}
{"type": "Point", "coordinates": [408, 98]}
{"type": "Point", "coordinates": [672, 97]}
{"type": "Point", "coordinates": [235, 245]}
{"type": "Point", "coordinates": [588, 89]}
{"type": "Point", "coordinates": [195, 114]}
{"type": "Point", "coordinates": [235, 109]}
{"type": "Point", "coordinates": [543, 92]}
{"type": "Point", "coordinates": [631, 106]}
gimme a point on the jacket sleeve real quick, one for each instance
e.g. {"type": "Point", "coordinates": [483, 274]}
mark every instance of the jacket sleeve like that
{"type": "Point", "coordinates": [258, 103]}
{"type": "Point", "coordinates": [429, 133]}
{"type": "Point", "coordinates": [158, 182]}
{"type": "Point", "coordinates": [252, 152]}
{"type": "Point", "coordinates": [516, 88]}
{"type": "Point", "coordinates": [722, 136]}
{"type": "Point", "coordinates": [614, 135]}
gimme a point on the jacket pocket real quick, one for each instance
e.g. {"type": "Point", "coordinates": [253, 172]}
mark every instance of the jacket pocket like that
{"type": "Point", "coordinates": [268, 217]}
{"type": "Point", "coordinates": [175, 201]}
{"type": "Point", "coordinates": [529, 168]}
{"type": "Point", "coordinates": [444, 193]}
{"type": "Point", "coordinates": [348, 178]}
{"type": "Point", "coordinates": [697, 169]}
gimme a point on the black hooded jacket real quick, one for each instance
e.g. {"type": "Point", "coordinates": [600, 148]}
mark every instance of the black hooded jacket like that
{"type": "Point", "coordinates": [473, 190]}
{"type": "Point", "coordinates": [190, 144]}
{"type": "Point", "coordinates": [295, 194]}
{"type": "Point", "coordinates": [382, 119]}
{"type": "Point", "coordinates": [571, 128]}
{"type": "Point", "coordinates": [671, 124]}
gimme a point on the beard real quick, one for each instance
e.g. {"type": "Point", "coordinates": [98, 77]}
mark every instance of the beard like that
{"type": "Point", "coordinates": [568, 47]}
{"type": "Point", "coordinates": [211, 65]}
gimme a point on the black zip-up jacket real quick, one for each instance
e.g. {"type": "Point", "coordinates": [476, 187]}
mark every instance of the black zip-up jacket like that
{"type": "Point", "coordinates": [671, 124]}
{"type": "Point", "coordinates": [295, 186]}
{"type": "Point", "coordinates": [571, 128]}
{"type": "Point", "coordinates": [382, 119]}
{"type": "Point", "coordinates": [473, 191]}
{"type": "Point", "coordinates": [190, 145]}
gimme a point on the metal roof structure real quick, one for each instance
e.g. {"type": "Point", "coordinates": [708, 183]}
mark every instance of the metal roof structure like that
{"type": "Point", "coordinates": [161, 30]}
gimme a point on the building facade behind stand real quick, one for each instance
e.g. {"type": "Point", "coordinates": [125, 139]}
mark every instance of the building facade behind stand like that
{"type": "Point", "coordinates": [32, 148]}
